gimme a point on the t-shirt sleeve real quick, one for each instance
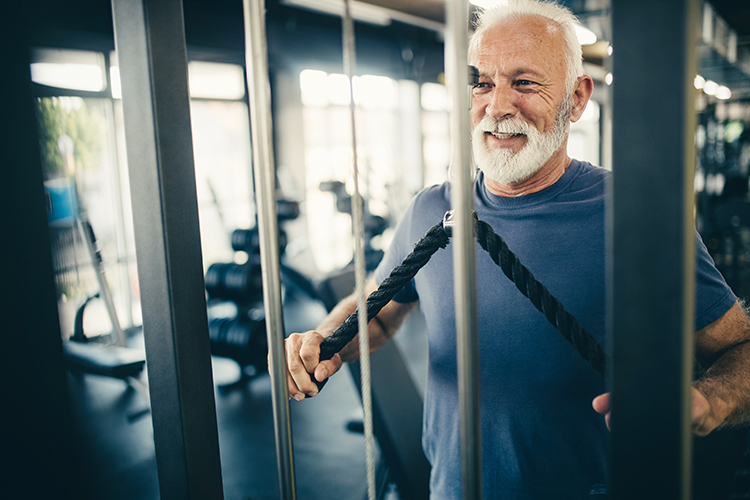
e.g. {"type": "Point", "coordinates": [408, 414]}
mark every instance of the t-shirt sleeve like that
{"type": "Point", "coordinates": [399, 248]}
{"type": "Point", "coordinates": [713, 297]}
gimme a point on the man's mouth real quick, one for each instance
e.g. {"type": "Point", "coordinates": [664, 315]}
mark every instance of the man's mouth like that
{"type": "Point", "coordinates": [503, 135]}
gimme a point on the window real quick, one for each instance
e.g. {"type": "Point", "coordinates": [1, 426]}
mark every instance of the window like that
{"type": "Point", "coordinates": [82, 142]}
{"type": "Point", "coordinates": [388, 154]}
{"type": "Point", "coordinates": [69, 69]}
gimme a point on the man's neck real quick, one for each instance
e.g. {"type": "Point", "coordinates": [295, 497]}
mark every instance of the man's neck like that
{"type": "Point", "coordinates": [547, 175]}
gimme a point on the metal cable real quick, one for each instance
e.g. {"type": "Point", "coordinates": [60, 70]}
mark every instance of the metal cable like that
{"type": "Point", "coordinates": [350, 56]}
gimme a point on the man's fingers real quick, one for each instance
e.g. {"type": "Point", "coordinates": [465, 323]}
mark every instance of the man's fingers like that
{"type": "Point", "coordinates": [601, 403]}
{"type": "Point", "coordinates": [309, 351]}
{"type": "Point", "coordinates": [327, 368]}
{"type": "Point", "coordinates": [298, 346]}
{"type": "Point", "coordinates": [294, 391]}
{"type": "Point", "coordinates": [703, 417]}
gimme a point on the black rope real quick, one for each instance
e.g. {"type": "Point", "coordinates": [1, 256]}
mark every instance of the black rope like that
{"type": "Point", "coordinates": [435, 239]}
{"type": "Point", "coordinates": [438, 237]}
{"type": "Point", "coordinates": [543, 300]}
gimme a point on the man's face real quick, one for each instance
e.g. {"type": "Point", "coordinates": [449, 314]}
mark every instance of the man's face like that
{"type": "Point", "coordinates": [520, 108]}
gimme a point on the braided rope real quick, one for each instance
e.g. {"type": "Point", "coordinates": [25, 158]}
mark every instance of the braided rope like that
{"type": "Point", "coordinates": [433, 240]}
{"type": "Point", "coordinates": [543, 300]}
{"type": "Point", "coordinates": [437, 237]}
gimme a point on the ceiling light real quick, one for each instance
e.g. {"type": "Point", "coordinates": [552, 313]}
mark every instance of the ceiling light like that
{"type": "Point", "coordinates": [608, 78]}
{"type": "Point", "coordinates": [68, 69]}
{"type": "Point", "coordinates": [360, 11]}
{"type": "Point", "coordinates": [585, 35]}
{"type": "Point", "coordinates": [723, 93]}
{"type": "Point", "coordinates": [211, 80]}
{"type": "Point", "coordinates": [699, 82]}
{"type": "Point", "coordinates": [710, 87]}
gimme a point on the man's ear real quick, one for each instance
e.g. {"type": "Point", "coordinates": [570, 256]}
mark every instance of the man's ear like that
{"type": "Point", "coordinates": [581, 95]}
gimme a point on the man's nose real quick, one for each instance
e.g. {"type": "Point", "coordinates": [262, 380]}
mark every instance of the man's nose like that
{"type": "Point", "coordinates": [501, 103]}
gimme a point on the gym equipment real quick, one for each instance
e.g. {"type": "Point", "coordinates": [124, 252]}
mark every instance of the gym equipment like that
{"type": "Point", "coordinates": [374, 225]}
{"type": "Point", "coordinates": [105, 355]}
{"type": "Point", "coordinates": [397, 414]}
{"type": "Point", "coordinates": [100, 359]}
{"type": "Point", "coordinates": [82, 355]}
{"type": "Point", "coordinates": [242, 337]}
{"type": "Point", "coordinates": [110, 359]}
{"type": "Point", "coordinates": [97, 358]}
{"type": "Point", "coordinates": [438, 237]}
{"type": "Point", "coordinates": [235, 282]}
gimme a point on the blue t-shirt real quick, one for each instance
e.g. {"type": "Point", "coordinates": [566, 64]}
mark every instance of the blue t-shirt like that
{"type": "Point", "coordinates": [540, 437]}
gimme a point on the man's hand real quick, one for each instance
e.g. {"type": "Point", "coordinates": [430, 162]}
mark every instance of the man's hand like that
{"type": "Point", "coordinates": [601, 405]}
{"type": "Point", "coordinates": [704, 416]}
{"type": "Point", "coordinates": [302, 359]}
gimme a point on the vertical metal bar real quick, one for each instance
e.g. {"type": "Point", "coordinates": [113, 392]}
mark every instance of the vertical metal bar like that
{"type": "Point", "coordinates": [652, 257]}
{"type": "Point", "coordinates": [150, 40]}
{"type": "Point", "coordinates": [259, 93]}
{"type": "Point", "coordinates": [38, 430]}
{"type": "Point", "coordinates": [464, 259]}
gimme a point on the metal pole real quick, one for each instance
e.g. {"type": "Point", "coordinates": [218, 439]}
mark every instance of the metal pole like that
{"type": "Point", "coordinates": [464, 259]}
{"type": "Point", "coordinates": [150, 40]}
{"type": "Point", "coordinates": [259, 92]}
{"type": "Point", "coordinates": [38, 429]}
{"type": "Point", "coordinates": [652, 246]}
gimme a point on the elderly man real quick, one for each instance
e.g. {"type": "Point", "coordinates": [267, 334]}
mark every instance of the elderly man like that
{"type": "Point", "coordinates": [540, 437]}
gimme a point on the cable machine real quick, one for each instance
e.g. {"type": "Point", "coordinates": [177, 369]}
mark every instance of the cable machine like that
{"type": "Point", "coordinates": [151, 47]}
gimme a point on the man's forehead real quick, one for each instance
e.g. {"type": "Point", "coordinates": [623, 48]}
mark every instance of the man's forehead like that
{"type": "Point", "coordinates": [534, 41]}
{"type": "Point", "coordinates": [531, 30]}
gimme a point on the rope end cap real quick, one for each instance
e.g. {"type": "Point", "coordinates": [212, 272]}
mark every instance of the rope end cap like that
{"type": "Point", "coordinates": [449, 221]}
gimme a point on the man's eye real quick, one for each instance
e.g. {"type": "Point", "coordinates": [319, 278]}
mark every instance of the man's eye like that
{"type": "Point", "coordinates": [525, 83]}
{"type": "Point", "coordinates": [481, 87]}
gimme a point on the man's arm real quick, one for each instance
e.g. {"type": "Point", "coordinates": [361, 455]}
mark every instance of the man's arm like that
{"type": "Point", "coordinates": [721, 397]}
{"type": "Point", "coordinates": [303, 349]}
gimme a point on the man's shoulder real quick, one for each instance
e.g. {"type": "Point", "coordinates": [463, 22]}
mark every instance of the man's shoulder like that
{"type": "Point", "coordinates": [436, 191]}
{"type": "Point", "coordinates": [436, 196]}
{"type": "Point", "coordinates": [591, 172]}
{"type": "Point", "coordinates": [588, 179]}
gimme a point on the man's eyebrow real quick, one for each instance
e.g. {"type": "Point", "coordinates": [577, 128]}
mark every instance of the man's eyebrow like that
{"type": "Point", "coordinates": [518, 72]}
{"type": "Point", "coordinates": [528, 71]}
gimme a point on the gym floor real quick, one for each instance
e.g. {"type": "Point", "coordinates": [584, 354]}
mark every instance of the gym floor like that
{"type": "Point", "coordinates": [116, 435]}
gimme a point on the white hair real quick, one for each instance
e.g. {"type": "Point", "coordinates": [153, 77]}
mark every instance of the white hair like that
{"type": "Point", "coordinates": [518, 9]}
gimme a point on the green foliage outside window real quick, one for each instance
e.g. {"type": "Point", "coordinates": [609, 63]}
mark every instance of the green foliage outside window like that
{"type": "Point", "coordinates": [70, 116]}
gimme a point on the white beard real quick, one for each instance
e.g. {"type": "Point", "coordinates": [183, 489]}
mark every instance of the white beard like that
{"type": "Point", "coordinates": [503, 165]}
